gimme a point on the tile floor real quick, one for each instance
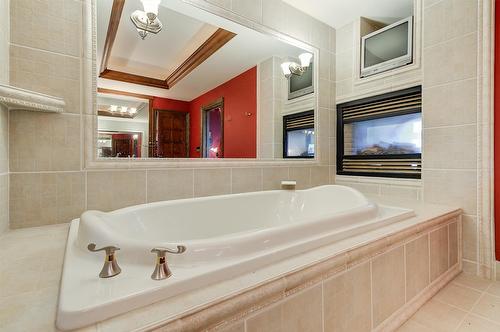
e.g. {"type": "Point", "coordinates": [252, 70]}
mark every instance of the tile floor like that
{"type": "Point", "coordinates": [467, 303]}
{"type": "Point", "coordinates": [28, 292]}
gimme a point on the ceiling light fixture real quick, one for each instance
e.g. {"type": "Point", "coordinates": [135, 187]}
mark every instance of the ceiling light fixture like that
{"type": "Point", "coordinates": [146, 20]}
{"type": "Point", "coordinates": [293, 68]}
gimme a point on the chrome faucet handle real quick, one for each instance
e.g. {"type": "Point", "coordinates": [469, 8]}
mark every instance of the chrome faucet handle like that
{"type": "Point", "coordinates": [161, 269]}
{"type": "Point", "coordinates": [110, 267]}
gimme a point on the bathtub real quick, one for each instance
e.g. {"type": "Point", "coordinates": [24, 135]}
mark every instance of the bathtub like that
{"type": "Point", "coordinates": [224, 236]}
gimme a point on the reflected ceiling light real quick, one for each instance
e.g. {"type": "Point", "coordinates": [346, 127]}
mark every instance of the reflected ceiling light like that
{"type": "Point", "coordinates": [133, 110]}
{"type": "Point", "coordinates": [113, 108]}
{"type": "Point", "coordinates": [293, 68]}
{"type": "Point", "coordinates": [146, 20]}
{"type": "Point", "coordinates": [123, 109]}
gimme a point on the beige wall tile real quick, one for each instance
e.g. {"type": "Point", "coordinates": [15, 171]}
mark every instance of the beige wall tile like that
{"type": "Point", "coordinates": [450, 147]}
{"type": "Point", "coordinates": [469, 238]}
{"type": "Point", "coordinates": [347, 301]}
{"type": "Point", "coordinates": [273, 176]}
{"type": "Point", "coordinates": [302, 311]}
{"type": "Point", "coordinates": [164, 185]}
{"type": "Point", "coordinates": [4, 43]}
{"type": "Point", "coordinates": [449, 19]}
{"type": "Point", "coordinates": [209, 182]}
{"type": "Point", "coordinates": [439, 252]}
{"type": "Point", "coordinates": [320, 176]}
{"type": "Point", "coordinates": [38, 199]}
{"type": "Point", "coordinates": [111, 190]}
{"type": "Point", "coordinates": [47, 19]}
{"type": "Point", "coordinates": [469, 267]}
{"type": "Point", "coordinates": [460, 63]}
{"type": "Point", "coordinates": [453, 244]}
{"type": "Point", "coordinates": [302, 175]}
{"type": "Point", "coordinates": [4, 203]}
{"type": "Point", "coordinates": [4, 140]}
{"type": "Point", "coordinates": [388, 284]}
{"type": "Point", "coordinates": [50, 73]}
{"type": "Point", "coordinates": [246, 180]}
{"type": "Point", "coordinates": [451, 187]}
{"type": "Point", "coordinates": [450, 104]}
{"type": "Point", "coordinates": [44, 142]}
{"type": "Point", "coordinates": [248, 9]}
{"type": "Point", "coordinates": [267, 320]}
{"type": "Point", "coordinates": [400, 191]}
{"type": "Point", "coordinates": [417, 266]}
{"type": "Point", "coordinates": [366, 188]}
{"type": "Point", "coordinates": [299, 312]}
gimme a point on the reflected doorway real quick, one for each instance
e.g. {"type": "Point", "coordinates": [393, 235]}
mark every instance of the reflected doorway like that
{"type": "Point", "coordinates": [213, 130]}
{"type": "Point", "coordinates": [119, 144]}
{"type": "Point", "coordinates": [170, 134]}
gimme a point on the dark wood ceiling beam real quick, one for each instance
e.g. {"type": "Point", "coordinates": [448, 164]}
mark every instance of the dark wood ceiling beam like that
{"type": "Point", "coordinates": [220, 38]}
{"type": "Point", "coordinates": [132, 78]}
{"type": "Point", "coordinates": [114, 22]}
{"type": "Point", "coordinates": [124, 93]}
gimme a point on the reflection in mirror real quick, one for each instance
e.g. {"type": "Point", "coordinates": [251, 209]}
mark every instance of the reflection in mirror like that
{"type": "Point", "coordinates": [179, 82]}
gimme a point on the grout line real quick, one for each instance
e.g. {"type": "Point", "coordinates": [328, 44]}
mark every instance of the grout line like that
{"type": "Point", "coordinates": [46, 51]}
{"type": "Point", "coordinates": [450, 126]}
{"type": "Point", "coordinates": [404, 266]}
{"type": "Point", "coordinates": [371, 293]}
{"type": "Point", "coordinates": [323, 306]}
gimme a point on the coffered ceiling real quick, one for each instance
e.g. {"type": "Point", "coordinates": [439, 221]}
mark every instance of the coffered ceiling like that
{"type": "Point", "coordinates": [185, 29]}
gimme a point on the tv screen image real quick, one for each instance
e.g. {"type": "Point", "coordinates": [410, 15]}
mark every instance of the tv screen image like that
{"type": "Point", "coordinates": [388, 48]}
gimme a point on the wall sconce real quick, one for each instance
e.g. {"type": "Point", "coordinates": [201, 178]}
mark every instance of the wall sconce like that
{"type": "Point", "coordinates": [293, 68]}
{"type": "Point", "coordinates": [146, 20]}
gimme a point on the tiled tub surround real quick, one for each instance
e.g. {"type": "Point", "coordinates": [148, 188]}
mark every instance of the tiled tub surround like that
{"type": "Point", "coordinates": [333, 285]}
{"type": "Point", "coordinates": [455, 73]}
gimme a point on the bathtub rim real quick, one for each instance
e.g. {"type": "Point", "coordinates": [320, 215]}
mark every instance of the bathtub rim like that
{"type": "Point", "coordinates": [374, 242]}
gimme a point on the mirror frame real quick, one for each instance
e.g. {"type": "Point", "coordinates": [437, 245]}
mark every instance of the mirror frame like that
{"type": "Point", "coordinates": [89, 104]}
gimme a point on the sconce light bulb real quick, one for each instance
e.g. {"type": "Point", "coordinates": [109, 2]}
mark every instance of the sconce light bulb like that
{"type": "Point", "coordinates": [305, 59]}
{"type": "Point", "coordinates": [285, 67]}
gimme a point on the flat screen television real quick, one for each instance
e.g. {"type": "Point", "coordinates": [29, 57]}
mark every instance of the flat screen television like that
{"type": "Point", "coordinates": [388, 48]}
{"type": "Point", "coordinates": [301, 85]}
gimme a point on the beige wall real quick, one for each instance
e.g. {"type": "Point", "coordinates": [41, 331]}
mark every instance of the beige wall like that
{"type": "Point", "coordinates": [4, 118]}
{"type": "Point", "coordinates": [270, 106]}
{"type": "Point", "coordinates": [49, 183]}
{"type": "Point", "coordinates": [453, 166]}
{"type": "Point", "coordinates": [349, 86]}
{"type": "Point", "coordinates": [450, 113]}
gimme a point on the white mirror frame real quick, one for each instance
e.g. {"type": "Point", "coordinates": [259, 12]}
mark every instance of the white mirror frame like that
{"type": "Point", "coordinates": [89, 105]}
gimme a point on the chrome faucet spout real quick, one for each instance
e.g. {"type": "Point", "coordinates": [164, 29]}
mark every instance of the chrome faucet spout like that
{"type": "Point", "coordinates": [288, 184]}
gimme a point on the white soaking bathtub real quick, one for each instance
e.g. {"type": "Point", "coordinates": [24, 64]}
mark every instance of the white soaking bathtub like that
{"type": "Point", "coordinates": [224, 236]}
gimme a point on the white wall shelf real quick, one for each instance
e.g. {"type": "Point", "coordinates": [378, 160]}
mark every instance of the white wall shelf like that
{"type": "Point", "coordinates": [26, 100]}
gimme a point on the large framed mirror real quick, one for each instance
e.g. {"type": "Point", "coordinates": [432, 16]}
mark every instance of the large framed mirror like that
{"type": "Point", "coordinates": [176, 81]}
